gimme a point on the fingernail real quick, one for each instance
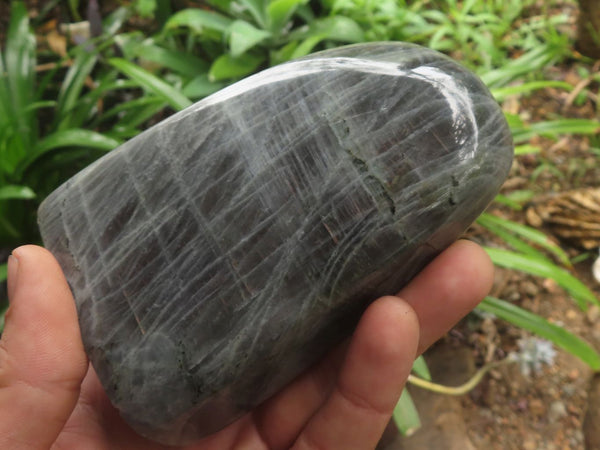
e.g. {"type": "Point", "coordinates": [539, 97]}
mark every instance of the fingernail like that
{"type": "Point", "coordinates": [12, 270]}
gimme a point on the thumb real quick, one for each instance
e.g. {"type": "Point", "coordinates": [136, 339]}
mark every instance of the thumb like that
{"type": "Point", "coordinates": [42, 362]}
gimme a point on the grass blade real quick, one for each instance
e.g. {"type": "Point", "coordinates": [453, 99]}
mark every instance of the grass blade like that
{"type": "Point", "coordinates": [71, 88]}
{"type": "Point", "coordinates": [20, 58]}
{"type": "Point", "coordinates": [18, 125]}
{"type": "Point", "coordinates": [520, 196]}
{"type": "Point", "coordinates": [540, 326]}
{"type": "Point", "coordinates": [531, 234]}
{"type": "Point", "coordinates": [227, 67]}
{"type": "Point", "coordinates": [8, 230]}
{"type": "Point", "coordinates": [421, 369]}
{"type": "Point", "coordinates": [257, 11]}
{"type": "Point", "coordinates": [529, 62]}
{"type": "Point", "coordinates": [16, 193]}
{"type": "Point", "coordinates": [508, 201]}
{"type": "Point", "coordinates": [406, 416]}
{"type": "Point", "coordinates": [525, 88]}
{"type": "Point", "coordinates": [181, 62]}
{"type": "Point", "coordinates": [78, 138]}
{"type": "Point", "coordinates": [243, 36]}
{"type": "Point", "coordinates": [152, 83]}
{"type": "Point", "coordinates": [198, 20]}
{"type": "Point", "coordinates": [514, 242]}
{"type": "Point", "coordinates": [526, 149]}
{"type": "Point", "coordinates": [67, 138]}
{"type": "Point", "coordinates": [554, 128]}
{"type": "Point", "coordinates": [135, 104]}
{"type": "Point", "coordinates": [201, 86]}
{"type": "Point", "coordinates": [279, 12]}
{"type": "Point", "coordinates": [534, 266]}
{"type": "Point", "coordinates": [335, 28]}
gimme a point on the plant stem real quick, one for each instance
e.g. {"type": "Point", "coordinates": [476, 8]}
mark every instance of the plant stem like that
{"type": "Point", "coordinates": [457, 390]}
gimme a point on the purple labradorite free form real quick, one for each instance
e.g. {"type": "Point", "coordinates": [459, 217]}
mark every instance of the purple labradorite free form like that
{"type": "Point", "coordinates": [218, 254]}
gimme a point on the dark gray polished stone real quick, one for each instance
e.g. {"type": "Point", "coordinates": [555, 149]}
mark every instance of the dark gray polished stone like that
{"type": "Point", "coordinates": [221, 252]}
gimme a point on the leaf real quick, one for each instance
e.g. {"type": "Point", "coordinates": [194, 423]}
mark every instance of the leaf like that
{"type": "Point", "coordinates": [307, 45]}
{"type": "Point", "coordinates": [152, 83]}
{"type": "Point", "coordinates": [201, 86]}
{"type": "Point", "coordinates": [343, 29]}
{"type": "Point", "coordinates": [135, 104]}
{"type": "Point", "coordinates": [68, 138]}
{"type": "Point", "coordinates": [16, 192]}
{"type": "Point", "coordinates": [503, 92]}
{"type": "Point", "coordinates": [506, 200]}
{"type": "Point", "coordinates": [115, 20]}
{"type": "Point", "coordinates": [227, 67]}
{"type": "Point", "coordinates": [19, 57]}
{"type": "Point", "coordinates": [526, 149]}
{"type": "Point", "coordinates": [283, 54]}
{"type": "Point", "coordinates": [405, 415]}
{"type": "Point", "coordinates": [529, 62]}
{"type": "Point", "coordinates": [71, 88]}
{"type": "Point", "coordinates": [134, 117]}
{"type": "Point", "coordinates": [336, 28]}
{"type": "Point", "coordinates": [145, 8]}
{"type": "Point", "coordinates": [511, 260]}
{"type": "Point", "coordinates": [18, 125]}
{"type": "Point", "coordinates": [243, 36]}
{"type": "Point", "coordinates": [279, 12]}
{"type": "Point", "coordinates": [540, 326]}
{"type": "Point", "coordinates": [184, 63]}
{"type": "Point", "coordinates": [555, 128]}
{"type": "Point", "coordinates": [257, 11]}
{"type": "Point", "coordinates": [521, 196]}
{"type": "Point", "coordinates": [529, 233]}
{"type": "Point", "coordinates": [8, 229]}
{"type": "Point", "coordinates": [514, 242]}
{"type": "Point", "coordinates": [198, 20]}
{"type": "Point", "coordinates": [3, 274]}
{"type": "Point", "coordinates": [420, 368]}
{"type": "Point", "coordinates": [77, 138]}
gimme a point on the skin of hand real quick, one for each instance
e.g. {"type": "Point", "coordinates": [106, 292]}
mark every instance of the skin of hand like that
{"type": "Point", "coordinates": [50, 396]}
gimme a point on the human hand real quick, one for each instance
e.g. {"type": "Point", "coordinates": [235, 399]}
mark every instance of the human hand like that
{"type": "Point", "coordinates": [50, 396]}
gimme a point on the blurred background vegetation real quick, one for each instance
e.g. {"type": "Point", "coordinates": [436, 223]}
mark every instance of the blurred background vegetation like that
{"type": "Point", "coordinates": [79, 77]}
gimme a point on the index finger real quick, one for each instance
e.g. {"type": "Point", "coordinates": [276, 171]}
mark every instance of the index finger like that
{"type": "Point", "coordinates": [448, 288]}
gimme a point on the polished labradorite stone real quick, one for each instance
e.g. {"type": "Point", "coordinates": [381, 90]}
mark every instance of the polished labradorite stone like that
{"type": "Point", "coordinates": [221, 252]}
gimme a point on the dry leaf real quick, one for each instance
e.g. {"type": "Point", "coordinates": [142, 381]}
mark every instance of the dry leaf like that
{"type": "Point", "coordinates": [572, 215]}
{"type": "Point", "coordinates": [57, 43]}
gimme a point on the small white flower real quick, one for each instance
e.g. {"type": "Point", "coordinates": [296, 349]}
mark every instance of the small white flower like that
{"type": "Point", "coordinates": [533, 352]}
{"type": "Point", "coordinates": [596, 268]}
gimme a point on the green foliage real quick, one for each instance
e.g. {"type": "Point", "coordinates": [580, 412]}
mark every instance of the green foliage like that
{"type": "Point", "coordinates": [53, 124]}
{"type": "Point", "coordinates": [37, 152]}
{"type": "Point", "coordinates": [152, 83]}
{"type": "Point", "coordinates": [516, 236]}
{"type": "Point", "coordinates": [534, 265]}
{"type": "Point", "coordinates": [405, 415]}
{"type": "Point", "coordinates": [531, 322]}
{"type": "Point", "coordinates": [552, 128]}
{"type": "Point", "coordinates": [420, 368]}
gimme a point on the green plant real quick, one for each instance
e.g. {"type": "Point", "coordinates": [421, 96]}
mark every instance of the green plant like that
{"type": "Point", "coordinates": [52, 126]}
{"type": "Point", "coordinates": [34, 155]}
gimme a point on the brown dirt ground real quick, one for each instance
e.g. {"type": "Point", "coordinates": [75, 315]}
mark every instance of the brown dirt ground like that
{"type": "Point", "coordinates": [547, 410]}
{"type": "Point", "coordinates": [508, 410]}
